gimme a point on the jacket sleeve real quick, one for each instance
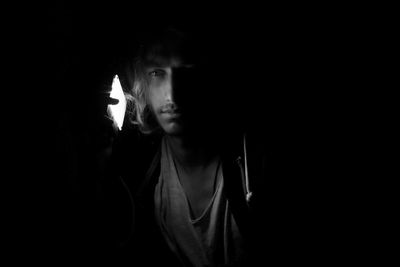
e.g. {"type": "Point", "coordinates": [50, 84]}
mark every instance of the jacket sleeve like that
{"type": "Point", "coordinates": [115, 203]}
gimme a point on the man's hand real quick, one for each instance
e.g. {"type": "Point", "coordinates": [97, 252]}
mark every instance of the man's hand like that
{"type": "Point", "coordinates": [105, 128]}
{"type": "Point", "coordinates": [103, 131]}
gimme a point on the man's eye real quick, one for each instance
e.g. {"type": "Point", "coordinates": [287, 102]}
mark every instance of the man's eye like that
{"type": "Point", "coordinates": [156, 73]}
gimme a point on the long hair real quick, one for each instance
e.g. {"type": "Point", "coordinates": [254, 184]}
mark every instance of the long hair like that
{"type": "Point", "coordinates": [158, 48]}
{"type": "Point", "coordinates": [197, 46]}
{"type": "Point", "coordinates": [138, 111]}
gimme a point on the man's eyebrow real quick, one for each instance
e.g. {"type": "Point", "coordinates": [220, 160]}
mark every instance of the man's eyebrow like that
{"type": "Point", "coordinates": [161, 66]}
{"type": "Point", "coordinates": [158, 62]}
{"type": "Point", "coordinates": [154, 66]}
{"type": "Point", "coordinates": [189, 66]}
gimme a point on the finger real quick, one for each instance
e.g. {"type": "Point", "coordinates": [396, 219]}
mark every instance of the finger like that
{"type": "Point", "coordinates": [112, 101]}
{"type": "Point", "coordinates": [104, 98]}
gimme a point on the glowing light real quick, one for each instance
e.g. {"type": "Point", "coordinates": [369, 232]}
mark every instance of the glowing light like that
{"type": "Point", "coordinates": [117, 111]}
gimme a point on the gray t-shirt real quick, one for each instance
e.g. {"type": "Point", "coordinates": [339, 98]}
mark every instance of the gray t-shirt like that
{"type": "Point", "coordinates": [213, 238]}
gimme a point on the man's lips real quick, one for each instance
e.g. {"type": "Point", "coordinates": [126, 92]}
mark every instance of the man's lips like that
{"type": "Point", "coordinates": [171, 114]}
{"type": "Point", "coordinates": [170, 110]}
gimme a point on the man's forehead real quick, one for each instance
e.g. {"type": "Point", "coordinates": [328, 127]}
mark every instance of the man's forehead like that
{"type": "Point", "coordinates": [162, 62]}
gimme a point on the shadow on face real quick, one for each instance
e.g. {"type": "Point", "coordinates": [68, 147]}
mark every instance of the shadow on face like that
{"type": "Point", "coordinates": [188, 74]}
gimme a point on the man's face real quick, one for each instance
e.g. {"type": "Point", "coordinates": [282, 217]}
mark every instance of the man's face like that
{"type": "Point", "coordinates": [170, 85]}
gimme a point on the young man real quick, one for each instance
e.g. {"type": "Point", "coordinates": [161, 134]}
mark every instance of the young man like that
{"type": "Point", "coordinates": [188, 171]}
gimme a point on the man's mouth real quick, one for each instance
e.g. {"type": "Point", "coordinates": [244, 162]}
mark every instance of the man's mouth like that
{"type": "Point", "coordinates": [170, 109]}
{"type": "Point", "coordinates": [171, 114]}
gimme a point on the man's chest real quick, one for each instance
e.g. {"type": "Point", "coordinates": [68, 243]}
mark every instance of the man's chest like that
{"type": "Point", "coordinates": [199, 188]}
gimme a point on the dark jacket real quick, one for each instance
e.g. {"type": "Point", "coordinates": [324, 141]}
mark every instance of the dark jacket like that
{"type": "Point", "coordinates": [134, 173]}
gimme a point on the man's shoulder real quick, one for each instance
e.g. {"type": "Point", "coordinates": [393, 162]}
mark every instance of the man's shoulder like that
{"type": "Point", "coordinates": [133, 154]}
{"type": "Point", "coordinates": [255, 141]}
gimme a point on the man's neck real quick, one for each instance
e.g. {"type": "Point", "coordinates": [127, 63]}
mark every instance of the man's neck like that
{"type": "Point", "coordinates": [191, 153]}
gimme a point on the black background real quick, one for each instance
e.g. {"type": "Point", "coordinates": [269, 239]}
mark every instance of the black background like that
{"type": "Point", "coordinates": [296, 68]}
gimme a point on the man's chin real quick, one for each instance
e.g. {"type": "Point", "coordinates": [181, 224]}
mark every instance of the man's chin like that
{"type": "Point", "coordinates": [173, 129]}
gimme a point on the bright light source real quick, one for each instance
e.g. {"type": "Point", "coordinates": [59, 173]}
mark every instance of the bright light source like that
{"type": "Point", "coordinates": [117, 111]}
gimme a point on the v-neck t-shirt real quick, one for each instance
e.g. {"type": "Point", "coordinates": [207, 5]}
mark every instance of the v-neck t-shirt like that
{"type": "Point", "coordinates": [213, 238]}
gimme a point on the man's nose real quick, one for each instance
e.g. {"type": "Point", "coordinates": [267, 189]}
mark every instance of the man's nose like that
{"type": "Point", "coordinates": [175, 84]}
{"type": "Point", "coordinates": [170, 91]}
{"type": "Point", "coordinates": [179, 85]}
